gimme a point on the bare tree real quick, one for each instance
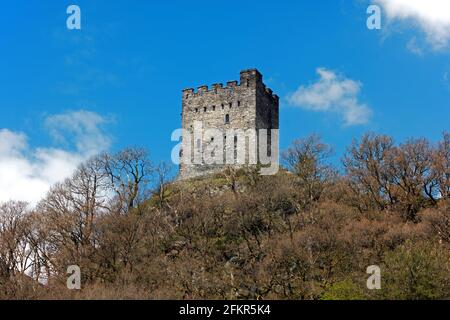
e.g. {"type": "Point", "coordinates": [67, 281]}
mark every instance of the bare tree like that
{"type": "Point", "coordinates": [14, 248]}
{"type": "Point", "coordinates": [409, 168]}
{"type": "Point", "coordinates": [39, 240]}
{"type": "Point", "coordinates": [406, 178]}
{"type": "Point", "coordinates": [441, 166]}
{"type": "Point", "coordinates": [162, 172]}
{"type": "Point", "coordinates": [367, 169]}
{"type": "Point", "coordinates": [129, 173]}
{"type": "Point", "coordinates": [69, 213]}
{"type": "Point", "coordinates": [307, 159]}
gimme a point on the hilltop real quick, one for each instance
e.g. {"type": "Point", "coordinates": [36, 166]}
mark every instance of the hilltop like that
{"type": "Point", "coordinates": [306, 233]}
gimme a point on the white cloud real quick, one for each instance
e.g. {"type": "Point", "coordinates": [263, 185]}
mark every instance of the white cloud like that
{"type": "Point", "coordinates": [81, 128]}
{"type": "Point", "coordinates": [27, 173]}
{"type": "Point", "coordinates": [414, 47]}
{"type": "Point", "coordinates": [432, 16]}
{"type": "Point", "coordinates": [333, 93]}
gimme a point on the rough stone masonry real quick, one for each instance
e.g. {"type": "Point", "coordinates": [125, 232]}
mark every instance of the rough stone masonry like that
{"type": "Point", "coordinates": [237, 106]}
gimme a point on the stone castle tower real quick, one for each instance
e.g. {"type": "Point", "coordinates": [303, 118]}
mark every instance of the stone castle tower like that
{"type": "Point", "coordinates": [245, 106]}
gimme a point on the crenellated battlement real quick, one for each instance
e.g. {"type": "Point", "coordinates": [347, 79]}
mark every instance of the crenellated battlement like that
{"type": "Point", "coordinates": [250, 79]}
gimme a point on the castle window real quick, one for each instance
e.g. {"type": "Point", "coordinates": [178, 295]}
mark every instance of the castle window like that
{"type": "Point", "coordinates": [205, 109]}
{"type": "Point", "coordinates": [223, 106]}
{"type": "Point", "coordinates": [239, 103]}
{"type": "Point", "coordinates": [269, 143]}
{"type": "Point", "coordinates": [196, 110]}
{"type": "Point", "coordinates": [231, 105]}
{"type": "Point", "coordinates": [225, 143]}
{"type": "Point", "coordinates": [235, 148]}
{"type": "Point", "coordinates": [214, 108]}
{"type": "Point", "coordinates": [248, 83]}
{"type": "Point", "coordinates": [227, 119]}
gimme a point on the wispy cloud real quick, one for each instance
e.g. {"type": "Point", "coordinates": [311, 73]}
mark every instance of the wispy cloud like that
{"type": "Point", "coordinates": [446, 78]}
{"type": "Point", "coordinates": [414, 47]}
{"type": "Point", "coordinates": [333, 93]}
{"type": "Point", "coordinates": [27, 173]}
{"type": "Point", "coordinates": [431, 16]}
{"type": "Point", "coordinates": [83, 129]}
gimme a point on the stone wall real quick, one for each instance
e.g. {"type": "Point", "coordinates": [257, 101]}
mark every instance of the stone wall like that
{"type": "Point", "coordinates": [244, 105]}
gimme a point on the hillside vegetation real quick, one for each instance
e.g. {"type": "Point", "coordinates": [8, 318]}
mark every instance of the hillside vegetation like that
{"type": "Point", "coordinates": [309, 232]}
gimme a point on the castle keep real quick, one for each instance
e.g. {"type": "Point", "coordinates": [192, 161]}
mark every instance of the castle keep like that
{"type": "Point", "coordinates": [237, 107]}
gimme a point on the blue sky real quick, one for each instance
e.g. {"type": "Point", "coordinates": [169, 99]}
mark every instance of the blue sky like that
{"type": "Point", "coordinates": [124, 71]}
